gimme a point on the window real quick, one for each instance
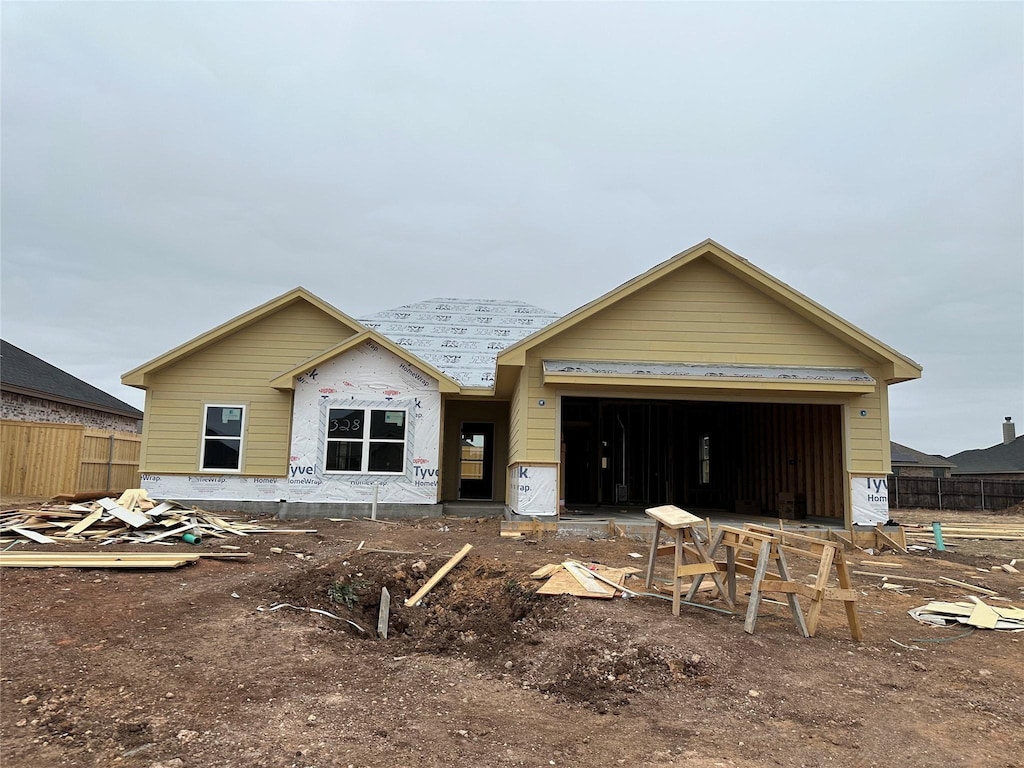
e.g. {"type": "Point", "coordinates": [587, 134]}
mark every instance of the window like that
{"type": "Point", "coordinates": [222, 437]}
{"type": "Point", "coordinates": [361, 440]}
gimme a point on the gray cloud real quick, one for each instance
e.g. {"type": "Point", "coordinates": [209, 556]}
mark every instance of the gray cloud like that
{"type": "Point", "coordinates": [167, 166]}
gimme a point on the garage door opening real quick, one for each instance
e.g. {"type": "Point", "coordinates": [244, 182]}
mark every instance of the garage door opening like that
{"type": "Point", "coordinates": [744, 457]}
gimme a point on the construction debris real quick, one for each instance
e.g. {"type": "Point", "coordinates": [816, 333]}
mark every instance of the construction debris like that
{"type": "Point", "coordinates": [975, 614]}
{"type": "Point", "coordinates": [572, 578]}
{"type": "Point", "coordinates": [26, 559]}
{"type": "Point", "coordinates": [132, 518]}
{"type": "Point", "coordinates": [977, 531]}
{"type": "Point", "coordinates": [441, 573]}
{"type": "Point", "coordinates": [328, 614]}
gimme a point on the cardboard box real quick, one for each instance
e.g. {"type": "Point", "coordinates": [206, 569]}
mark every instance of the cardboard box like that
{"type": "Point", "coordinates": [791, 506]}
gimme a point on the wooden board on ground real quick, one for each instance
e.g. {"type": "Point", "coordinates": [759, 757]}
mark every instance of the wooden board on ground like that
{"type": "Point", "coordinates": [95, 559]}
{"type": "Point", "coordinates": [441, 573]}
{"type": "Point", "coordinates": [564, 583]}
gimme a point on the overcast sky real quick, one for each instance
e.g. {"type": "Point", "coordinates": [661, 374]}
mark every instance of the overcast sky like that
{"type": "Point", "coordinates": [168, 166]}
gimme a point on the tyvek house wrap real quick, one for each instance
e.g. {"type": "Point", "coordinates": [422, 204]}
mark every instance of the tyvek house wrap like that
{"type": "Point", "coordinates": [369, 377]}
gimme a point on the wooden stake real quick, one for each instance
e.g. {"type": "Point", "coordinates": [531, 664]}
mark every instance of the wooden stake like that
{"type": "Point", "coordinates": [384, 614]}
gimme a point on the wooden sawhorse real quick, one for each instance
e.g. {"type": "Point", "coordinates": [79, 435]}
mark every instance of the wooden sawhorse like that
{"type": "Point", "coordinates": [687, 546]}
{"type": "Point", "coordinates": [750, 550]}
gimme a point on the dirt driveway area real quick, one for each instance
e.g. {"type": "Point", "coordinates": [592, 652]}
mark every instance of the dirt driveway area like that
{"type": "Point", "coordinates": [181, 669]}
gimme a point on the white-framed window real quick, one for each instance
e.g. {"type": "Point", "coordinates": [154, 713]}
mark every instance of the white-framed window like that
{"type": "Point", "coordinates": [223, 427]}
{"type": "Point", "coordinates": [705, 460]}
{"type": "Point", "coordinates": [368, 440]}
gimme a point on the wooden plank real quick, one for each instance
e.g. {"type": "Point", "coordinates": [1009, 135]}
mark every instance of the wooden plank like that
{"type": "Point", "coordinates": [791, 599]}
{"type": "Point", "coordinates": [965, 585]}
{"type": "Point", "coordinates": [564, 583]}
{"type": "Point", "coordinates": [824, 570]}
{"type": "Point", "coordinates": [672, 517]}
{"type": "Point", "coordinates": [792, 588]}
{"type": "Point", "coordinates": [586, 581]}
{"type": "Point", "coordinates": [692, 569]}
{"type": "Point", "coordinates": [441, 573]}
{"type": "Point", "coordinates": [755, 588]}
{"type": "Point", "coordinates": [880, 564]}
{"type": "Point", "coordinates": [546, 570]}
{"type": "Point", "coordinates": [93, 560]}
{"type": "Point", "coordinates": [889, 540]}
{"type": "Point", "coordinates": [896, 576]}
{"type": "Point", "coordinates": [85, 522]}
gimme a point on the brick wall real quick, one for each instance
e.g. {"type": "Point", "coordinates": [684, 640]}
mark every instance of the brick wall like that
{"type": "Point", "coordinates": [22, 408]}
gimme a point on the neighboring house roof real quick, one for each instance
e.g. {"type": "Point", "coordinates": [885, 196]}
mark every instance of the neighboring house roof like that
{"type": "Point", "coordinates": [25, 374]}
{"type": "Point", "coordinates": [286, 380]}
{"type": "Point", "coordinates": [903, 456]}
{"type": "Point", "coordinates": [461, 337]}
{"type": "Point", "coordinates": [901, 368]}
{"type": "Point", "coordinates": [136, 376]}
{"type": "Point", "coordinates": [1000, 458]}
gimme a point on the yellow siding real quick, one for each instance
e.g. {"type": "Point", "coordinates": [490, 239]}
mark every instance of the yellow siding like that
{"type": "Point", "coordinates": [702, 314]}
{"type": "Point", "coordinates": [236, 369]}
{"type": "Point", "coordinates": [517, 421]}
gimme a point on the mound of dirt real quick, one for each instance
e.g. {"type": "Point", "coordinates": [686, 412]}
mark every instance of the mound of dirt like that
{"type": "Point", "coordinates": [490, 615]}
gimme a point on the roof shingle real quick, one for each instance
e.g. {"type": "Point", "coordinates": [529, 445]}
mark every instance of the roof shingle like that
{"type": "Point", "coordinates": [26, 374]}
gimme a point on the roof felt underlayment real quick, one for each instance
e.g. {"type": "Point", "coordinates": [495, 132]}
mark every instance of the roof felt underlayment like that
{"type": "Point", "coordinates": [461, 337]}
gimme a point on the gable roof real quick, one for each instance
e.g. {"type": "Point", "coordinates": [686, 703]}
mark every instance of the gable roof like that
{"type": "Point", "coordinates": [461, 337]}
{"type": "Point", "coordinates": [1002, 457]}
{"type": "Point", "coordinates": [25, 374]}
{"type": "Point", "coordinates": [286, 380]}
{"type": "Point", "coordinates": [901, 368]}
{"type": "Point", "coordinates": [136, 376]}
{"type": "Point", "coordinates": [904, 456]}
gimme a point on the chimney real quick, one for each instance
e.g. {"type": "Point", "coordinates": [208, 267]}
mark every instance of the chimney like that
{"type": "Point", "coordinates": [1009, 431]}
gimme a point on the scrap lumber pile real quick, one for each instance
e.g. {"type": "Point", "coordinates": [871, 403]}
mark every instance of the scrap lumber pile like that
{"type": "Point", "coordinates": [49, 559]}
{"type": "Point", "coordinates": [133, 518]}
{"type": "Point", "coordinates": [976, 613]}
{"type": "Point", "coordinates": [977, 531]}
{"type": "Point", "coordinates": [572, 578]}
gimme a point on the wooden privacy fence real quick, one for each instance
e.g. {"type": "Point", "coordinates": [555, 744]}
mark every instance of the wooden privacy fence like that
{"type": "Point", "coordinates": [953, 493]}
{"type": "Point", "coordinates": [43, 460]}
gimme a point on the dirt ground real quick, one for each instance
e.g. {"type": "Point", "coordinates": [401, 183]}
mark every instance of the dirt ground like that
{"type": "Point", "coordinates": [180, 668]}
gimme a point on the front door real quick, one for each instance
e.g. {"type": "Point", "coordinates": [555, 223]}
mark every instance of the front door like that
{"type": "Point", "coordinates": [476, 460]}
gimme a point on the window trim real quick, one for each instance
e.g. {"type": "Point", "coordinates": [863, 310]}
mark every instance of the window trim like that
{"type": "Point", "coordinates": [366, 441]}
{"type": "Point", "coordinates": [203, 437]}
